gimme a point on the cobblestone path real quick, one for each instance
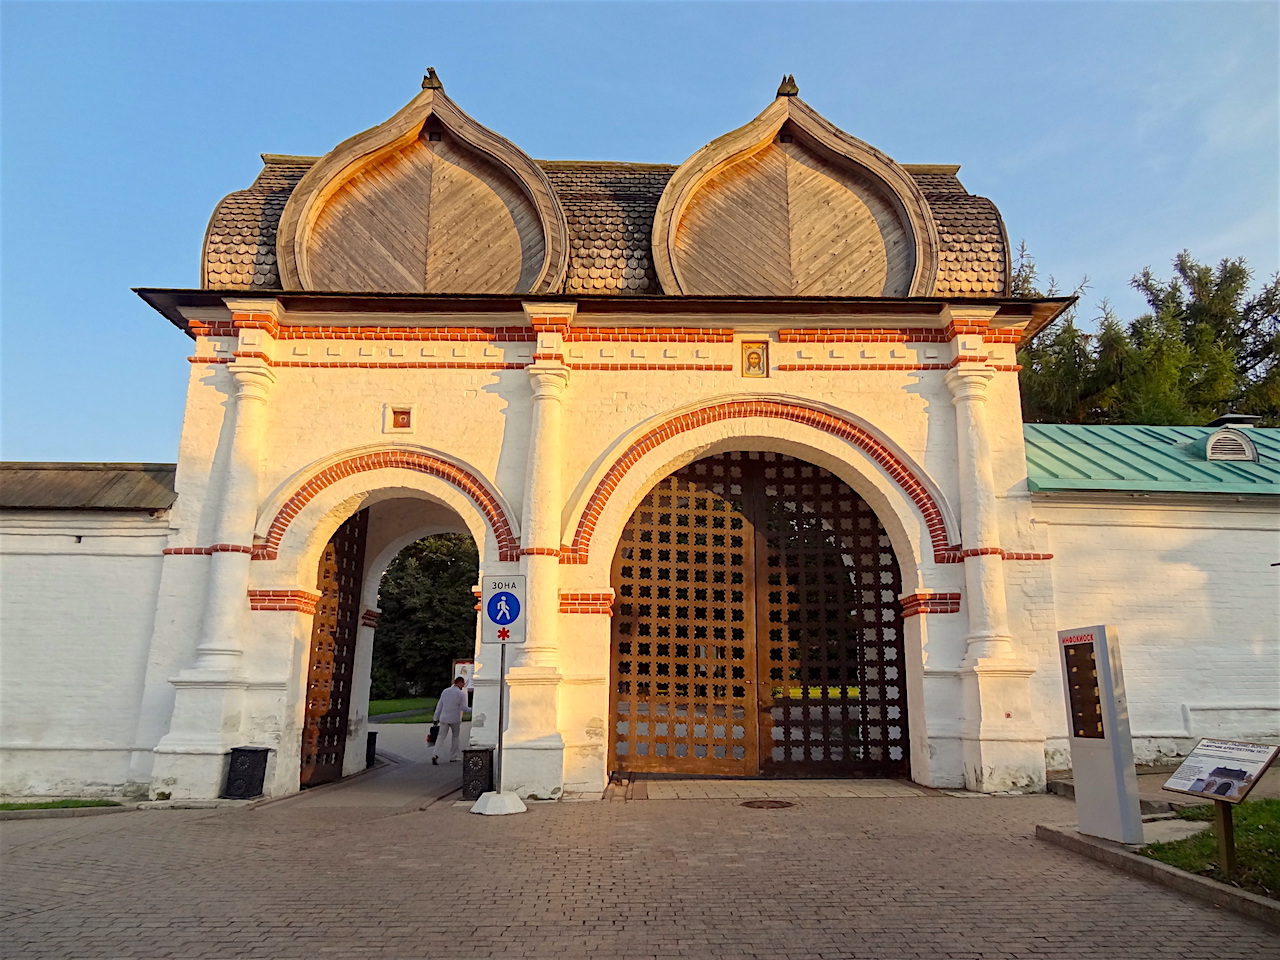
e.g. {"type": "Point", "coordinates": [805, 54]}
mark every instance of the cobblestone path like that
{"type": "Point", "coordinates": [929, 876]}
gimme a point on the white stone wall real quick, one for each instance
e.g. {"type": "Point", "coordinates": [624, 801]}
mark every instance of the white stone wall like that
{"type": "Point", "coordinates": [77, 601]}
{"type": "Point", "coordinates": [1188, 583]}
{"type": "Point", "coordinates": [1176, 578]}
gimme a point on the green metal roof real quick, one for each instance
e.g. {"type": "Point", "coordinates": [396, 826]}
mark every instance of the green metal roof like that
{"type": "Point", "coordinates": [1149, 459]}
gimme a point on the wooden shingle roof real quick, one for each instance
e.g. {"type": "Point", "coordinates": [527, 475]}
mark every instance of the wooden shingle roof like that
{"type": "Point", "coordinates": [432, 202]}
{"type": "Point", "coordinates": [610, 209]}
{"type": "Point", "coordinates": [87, 486]}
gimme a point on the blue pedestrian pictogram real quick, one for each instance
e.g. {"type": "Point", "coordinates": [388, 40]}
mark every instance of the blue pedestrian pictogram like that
{"type": "Point", "coordinates": [503, 608]}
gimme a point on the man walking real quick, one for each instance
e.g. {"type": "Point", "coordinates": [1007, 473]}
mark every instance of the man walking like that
{"type": "Point", "coordinates": [449, 709]}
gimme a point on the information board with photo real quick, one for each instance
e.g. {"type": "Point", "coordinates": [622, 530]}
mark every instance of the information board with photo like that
{"type": "Point", "coordinates": [1222, 769]}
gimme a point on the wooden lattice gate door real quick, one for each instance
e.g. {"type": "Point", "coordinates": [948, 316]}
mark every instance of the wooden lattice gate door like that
{"type": "Point", "coordinates": [758, 629]}
{"type": "Point", "coordinates": [333, 650]}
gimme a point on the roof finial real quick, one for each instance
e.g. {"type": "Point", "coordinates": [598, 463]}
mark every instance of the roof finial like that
{"type": "Point", "coordinates": [431, 81]}
{"type": "Point", "coordinates": [788, 87]}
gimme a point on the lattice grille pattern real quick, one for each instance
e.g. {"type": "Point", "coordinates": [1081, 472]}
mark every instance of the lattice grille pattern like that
{"type": "Point", "coordinates": [684, 657]}
{"type": "Point", "coordinates": [834, 694]}
{"type": "Point", "coordinates": [757, 627]}
{"type": "Point", "coordinates": [333, 648]}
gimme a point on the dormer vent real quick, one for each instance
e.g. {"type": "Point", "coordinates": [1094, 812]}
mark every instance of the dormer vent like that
{"type": "Point", "coordinates": [1228, 443]}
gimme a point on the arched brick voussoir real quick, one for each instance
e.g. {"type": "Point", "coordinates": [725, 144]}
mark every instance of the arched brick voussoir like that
{"type": "Point", "coordinates": [480, 495]}
{"type": "Point", "coordinates": [915, 489]}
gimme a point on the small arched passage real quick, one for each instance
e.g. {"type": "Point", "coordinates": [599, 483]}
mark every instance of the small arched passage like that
{"type": "Point", "coordinates": [367, 516]}
{"type": "Point", "coordinates": [757, 629]}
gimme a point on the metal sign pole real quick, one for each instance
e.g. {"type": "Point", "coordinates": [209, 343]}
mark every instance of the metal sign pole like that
{"type": "Point", "coordinates": [502, 722]}
{"type": "Point", "coordinates": [502, 622]}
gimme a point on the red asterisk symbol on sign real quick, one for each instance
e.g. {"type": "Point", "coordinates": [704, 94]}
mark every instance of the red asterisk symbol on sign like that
{"type": "Point", "coordinates": [504, 634]}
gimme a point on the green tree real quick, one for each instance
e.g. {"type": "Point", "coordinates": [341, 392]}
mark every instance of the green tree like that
{"type": "Point", "coordinates": [1205, 348]}
{"type": "Point", "coordinates": [428, 616]}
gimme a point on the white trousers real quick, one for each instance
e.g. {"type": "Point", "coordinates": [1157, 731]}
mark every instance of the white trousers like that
{"type": "Point", "coordinates": [455, 733]}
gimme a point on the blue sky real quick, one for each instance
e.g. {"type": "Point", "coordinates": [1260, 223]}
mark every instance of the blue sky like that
{"type": "Point", "coordinates": [1111, 136]}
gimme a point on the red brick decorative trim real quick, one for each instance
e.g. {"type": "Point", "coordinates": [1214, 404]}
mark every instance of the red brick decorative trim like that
{"type": "Point", "coordinates": [206, 551]}
{"type": "Point", "coordinates": [404, 364]}
{"type": "Point", "coordinates": [600, 603]}
{"type": "Point", "coordinates": [974, 327]}
{"type": "Point", "coordinates": [926, 601]}
{"type": "Point", "coordinates": [300, 601]}
{"type": "Point", "coordinates": [370, 618]}
{"type": "Point", "coordinates": [865, 335]}
{"type": "Point", "coordinates": [375, 364]}
{"type": "Point", "coordinates": [786, 367]}
{"type": "Point", "coordinates": [550, 325]}
{"type": "Point", "coordinates": [555, 357]}
{"type": "Point", "coordinates": [508, 547]}
{"type": "Point", "coordinates": [539, 552]}
{"type": "Point", "coordinates": [911, 485]}
{"type": "Point", "coordinates": [648, 335]}
{"type": "Point", "coordinates": [722, 367]}
{"type": "Point", "coordinates": [411, 334]}
{"type": "Point", "coordinates": [958, 556]}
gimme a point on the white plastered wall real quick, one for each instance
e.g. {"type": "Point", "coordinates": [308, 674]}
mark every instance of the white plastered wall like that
{"type": "Point", "coordinates": [1188, 583]}
{"type": "Point", "coordinates": [479, 420]}
{"type": "Point", "coordinates": [78, 594]}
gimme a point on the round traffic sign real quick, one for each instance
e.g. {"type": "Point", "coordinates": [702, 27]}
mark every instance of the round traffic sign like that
{"type": "Point", "coordinates": [503, 608]}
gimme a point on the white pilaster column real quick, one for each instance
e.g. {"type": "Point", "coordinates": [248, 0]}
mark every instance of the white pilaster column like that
{"type": "Point", "coordinates": [979, 520]}
{"type": "Point", "coordinates": [543, 505]}
{"type": "Point", "coordinates": [219, 648]}
{"type": "Point", "coordinates": [1002, 742]}
{"type": "Point", "coordinates": [533, 747]}
{"type": "Point", "coordinates": [209, 696]}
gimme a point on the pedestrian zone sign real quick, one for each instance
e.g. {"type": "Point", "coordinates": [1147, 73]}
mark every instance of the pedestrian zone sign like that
{"type": "Point", "coordinates": [502, 615]}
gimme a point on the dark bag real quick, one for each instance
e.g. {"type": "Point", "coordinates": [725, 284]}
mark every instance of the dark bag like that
{"type": "Point", "coordinates": [433, 733]}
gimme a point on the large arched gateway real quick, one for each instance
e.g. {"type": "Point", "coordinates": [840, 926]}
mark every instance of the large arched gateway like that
{"type": "Point", "coordinates": [748, 426]}
{"type": "Point", "coordinates": [814, 338]}
{"type": "Point", "coordinates": [757, 628]}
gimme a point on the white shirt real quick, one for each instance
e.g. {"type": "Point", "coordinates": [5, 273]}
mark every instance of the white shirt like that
{"type": "Point", "coordinates": [451, 705]}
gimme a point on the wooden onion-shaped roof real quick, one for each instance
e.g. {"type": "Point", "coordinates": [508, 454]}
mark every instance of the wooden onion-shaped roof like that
{"type": "Point", "coordinates": [788, 205]}
{"type": "Point", "coordinates": [428, 202]}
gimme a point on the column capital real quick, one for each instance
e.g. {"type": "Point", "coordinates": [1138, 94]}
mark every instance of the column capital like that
{"type": "Point", "coordinates": [968, 381]}
{"type": "Point", "coordinates": [253, 377]}
{"type": "Point", "coordinates": [548, 379]}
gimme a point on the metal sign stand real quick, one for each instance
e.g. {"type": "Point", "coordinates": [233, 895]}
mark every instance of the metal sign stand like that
{"type": "Point", "coordinates": [502, 719]}
{"type": "Point", "coordinates": [501, 623]}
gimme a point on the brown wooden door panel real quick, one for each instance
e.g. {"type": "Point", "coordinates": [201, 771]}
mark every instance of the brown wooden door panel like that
{"type": "Point", "coordinates": [757, 629]}
{"type": "Point", "coordinates": [332, 656]}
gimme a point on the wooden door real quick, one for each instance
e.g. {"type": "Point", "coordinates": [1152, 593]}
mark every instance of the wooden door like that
{"type": "Point", "coordinates": [333, 650]}
{"type": "Point", "coordinates": [757, 629]}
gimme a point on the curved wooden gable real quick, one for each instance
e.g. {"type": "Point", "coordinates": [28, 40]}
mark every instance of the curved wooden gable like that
{"type": "Point", "coordinates": [788, 205]}
{"type": "Point", "coordinates": [428, 202]}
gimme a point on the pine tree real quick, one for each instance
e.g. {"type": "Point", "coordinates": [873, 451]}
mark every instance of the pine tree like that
{"type": "Point", "coordinates": [1205, 348]}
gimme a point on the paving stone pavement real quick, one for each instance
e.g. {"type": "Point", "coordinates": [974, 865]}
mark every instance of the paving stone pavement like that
{"type": "Point", "coordinates": [835, 878]}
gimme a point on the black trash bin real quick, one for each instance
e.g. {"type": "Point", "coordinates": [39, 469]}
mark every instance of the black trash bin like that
{"type": "Point", "coordinates": [246, 773]}
{"type": "Point", "coordinates": [477, 772]}
{"type": "Point", "coordinates": [371, 749]}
